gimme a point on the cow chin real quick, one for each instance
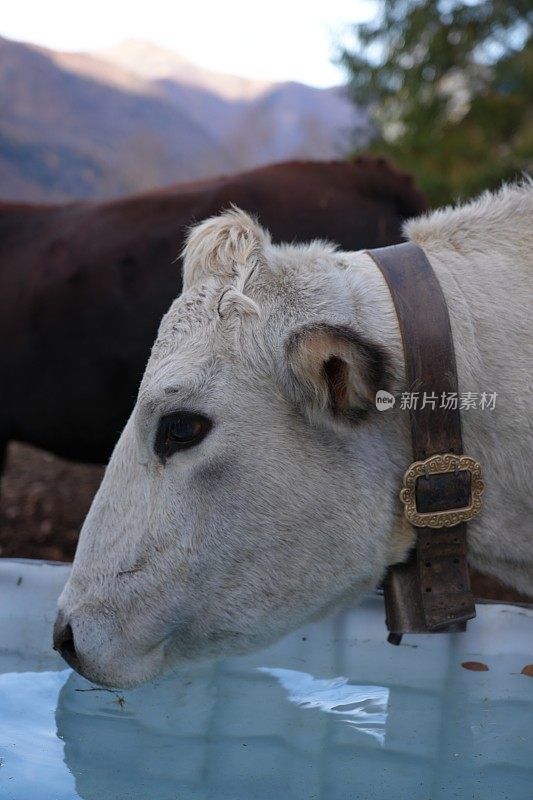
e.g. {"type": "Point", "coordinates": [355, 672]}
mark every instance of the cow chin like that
{"type": "Point", "coordinates": [126, 673]}
{"type": "Point", "coordinates": [124, 670]}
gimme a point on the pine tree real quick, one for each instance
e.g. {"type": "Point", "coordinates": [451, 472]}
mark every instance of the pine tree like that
{"type": "Point", "coordinates": [449, 84]}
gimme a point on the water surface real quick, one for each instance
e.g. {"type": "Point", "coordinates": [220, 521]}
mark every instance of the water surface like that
{"type": "Point", "coordinates": [332, 712]}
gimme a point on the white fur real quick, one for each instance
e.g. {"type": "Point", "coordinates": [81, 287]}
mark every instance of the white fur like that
{"type": "Point", "coordinates": [287, 509]}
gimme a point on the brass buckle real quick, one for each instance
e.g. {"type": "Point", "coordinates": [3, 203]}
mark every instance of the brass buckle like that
{"type": "Point", "coordinates": [436, 465]}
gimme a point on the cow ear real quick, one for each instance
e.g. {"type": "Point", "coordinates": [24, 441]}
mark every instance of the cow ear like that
{"type": "Point", "coordinates": [334, 369]}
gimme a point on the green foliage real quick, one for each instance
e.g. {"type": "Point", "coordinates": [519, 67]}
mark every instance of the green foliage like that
{"type": "Point", "coordinates": [450, 88]}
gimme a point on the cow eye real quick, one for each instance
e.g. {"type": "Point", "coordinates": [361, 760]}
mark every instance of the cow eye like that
{"type": "Point", "coordinates": [179, 431]}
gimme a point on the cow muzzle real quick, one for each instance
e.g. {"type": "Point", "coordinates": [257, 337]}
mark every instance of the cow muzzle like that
{"type": "Point", "coordinates": [93, 645]}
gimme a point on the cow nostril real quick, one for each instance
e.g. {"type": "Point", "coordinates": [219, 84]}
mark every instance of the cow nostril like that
{"type": "Point", "coordinates": [67, 643]}
{"type": "Point", "coordinates": [64, 643]}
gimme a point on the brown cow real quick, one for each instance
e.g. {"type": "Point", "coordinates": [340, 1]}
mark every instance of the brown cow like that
{"type": "Point", "coordinates": [83, 286]}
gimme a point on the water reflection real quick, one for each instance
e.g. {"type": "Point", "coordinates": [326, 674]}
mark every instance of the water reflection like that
{"type": "Point", "coordinates": [363, 707]}
{"type": "Point", "coordinates": [254, 728]}
{"type": "Point", "coordinates": [216, 731]}
{"type": "Point", "coordinates": [219, 731]}
{"type": "Point", "coordinates": [31, 755]}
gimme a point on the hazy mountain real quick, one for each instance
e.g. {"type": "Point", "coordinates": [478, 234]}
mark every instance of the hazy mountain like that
{"type": "Point", "coordinates": [154, 63]}
{"type": "Point", "coordinates": [65, 132]}
{"type": "Point", "coordinates": [76, 125]}
{"type": "Point", "coordinates": [256, 121]}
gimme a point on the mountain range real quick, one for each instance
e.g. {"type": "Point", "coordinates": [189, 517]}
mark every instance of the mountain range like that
{"type": "Point", "coordinates": [137, 116]}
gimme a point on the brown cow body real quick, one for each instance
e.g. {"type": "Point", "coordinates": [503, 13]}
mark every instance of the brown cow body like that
{"type": "Point", "coordinates": [83, 286]}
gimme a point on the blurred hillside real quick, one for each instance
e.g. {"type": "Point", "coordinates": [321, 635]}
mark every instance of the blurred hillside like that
{"type": "Point", "coordinates": [77, 125]}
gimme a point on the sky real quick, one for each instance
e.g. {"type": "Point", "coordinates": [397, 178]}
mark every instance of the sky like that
{"type": "Point", "coordinates": [273, 40]}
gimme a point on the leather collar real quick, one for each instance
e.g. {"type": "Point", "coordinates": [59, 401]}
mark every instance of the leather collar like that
{"type": "Point", "coordinates": [442, 488]}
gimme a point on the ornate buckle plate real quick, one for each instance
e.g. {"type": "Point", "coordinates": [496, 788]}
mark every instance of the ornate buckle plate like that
{"type": "Point", "coordinates": [436, 465]}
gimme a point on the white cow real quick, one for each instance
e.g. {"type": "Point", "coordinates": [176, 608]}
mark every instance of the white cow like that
{"type": "Point", "coordinates": [255, 485]}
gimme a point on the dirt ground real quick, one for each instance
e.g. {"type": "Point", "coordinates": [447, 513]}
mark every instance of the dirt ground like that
{"type": "Point", "coordinates": [43, 501]}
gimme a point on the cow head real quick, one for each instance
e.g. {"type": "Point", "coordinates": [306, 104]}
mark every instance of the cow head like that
{"type": "Point", "coordinates": [254, 485]}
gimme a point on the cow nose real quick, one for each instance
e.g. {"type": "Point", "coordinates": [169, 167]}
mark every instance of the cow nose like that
{"type": "Point", "coordinates": [64, 642]}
